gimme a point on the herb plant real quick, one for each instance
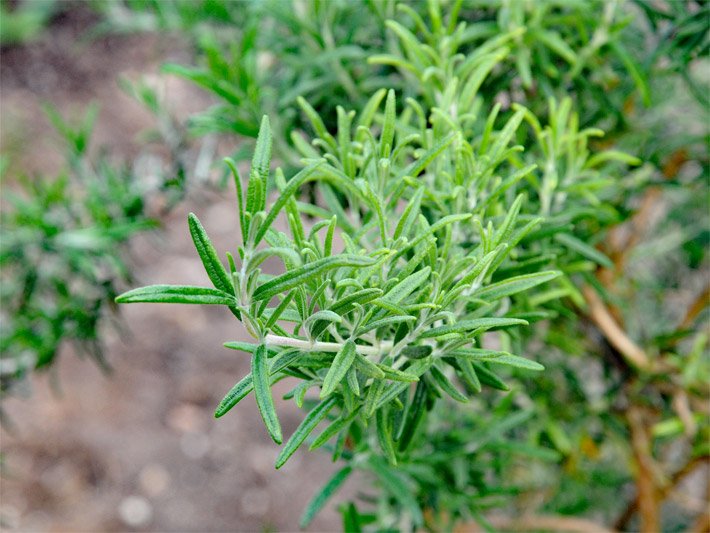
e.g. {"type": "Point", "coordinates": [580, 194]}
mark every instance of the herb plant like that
{"type": "Point", "coordinates": [470, 191]}
{"type": "Point", "coordinates": [61, 254]}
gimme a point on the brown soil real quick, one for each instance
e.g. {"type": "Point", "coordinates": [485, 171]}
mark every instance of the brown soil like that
{"type": "Point", "coordinates": [139, 449]}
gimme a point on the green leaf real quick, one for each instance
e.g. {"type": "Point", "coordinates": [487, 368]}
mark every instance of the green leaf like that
{"type": "Point", "coordinates": [320, 499]}
{"type": "Point", "coordinates": [417, 352]}
{"type": "Point", "coordinates": [384, 436]}
{"type": "Point", "coordinates": [474, 324]}
{"type": "Point", "coordinates": [262, 159]}
{"type": "Point", "coordinates": [397, 375]}
{"type": "Point", "coordinates": [427, 157]}
{"type": "Point", "coordinates": [415, 413]}
{"type": "Point", "coordinates": [497, 357]}
{"type": "Point", "coordinates": [368, 368]}
{"type": "Point", "coordinates": [177, 294]}
{"type": "Point", "coordinates": [383, 322]}
{"type": "Point", "coordinates": [489, 378]}
{"type": "Point", "coordinates": [405, 287]}
{"type": "Point", "coordinates": [240, 197]}
{"type": "Point", "coordinates": [215, 269]}
{"type": "Point", "coordinates": [235, 395]}
{"type": "Point", "coordinates": [398, 489]}
{"type": "Point", "coordinates": [278, 312]}
{"type": "Point", "coordinates": [341, 364]}
{"type": "Point", "coordinates": [325, 315]}
{"type": "Point", "coordinates": [387, 136]}
{"type": "Point", "coordinates": [246, 384]}
{"type": "Point", "coordinates": [583, 249]}
{"type": "Point", "coordinates": [262, 390]}
{"type": "Point", "coordinates": [445, 385]}
{"type": "Point", "coordinates": [301, 275]}
{"type": "Point", "coordinates": [373, 396]}
{"type": "Point", "coordinates": [291, 187]}
{"type": "Point", "coordinates": [304, 429]}
{"type": "Point", "coordinates": [333, 429]}
{"type": "Point", "coordinates": [515, 285]}
{"type": "Point", "coordinates": [409, 215]}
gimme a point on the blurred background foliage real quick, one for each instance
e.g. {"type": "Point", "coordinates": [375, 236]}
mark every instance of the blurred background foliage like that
{"type": "Point", "coordinates": [619, 419]}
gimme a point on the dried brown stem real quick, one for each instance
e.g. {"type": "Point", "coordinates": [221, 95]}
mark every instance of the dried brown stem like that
{"type": "Point", "coordinates": [616, 336]}
{"type": "Point", "coordinates": [645, 483]}
{"type": "Point", "coordinates": [700, 303]}
{"type": "Point", "coordinates": [664, 491]}
{"type": "Point", "coordinates": [538, 522]}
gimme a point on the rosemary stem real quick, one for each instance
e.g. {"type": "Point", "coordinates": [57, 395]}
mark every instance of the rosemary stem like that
{"type": "Point", "coordinates": [320, 346]}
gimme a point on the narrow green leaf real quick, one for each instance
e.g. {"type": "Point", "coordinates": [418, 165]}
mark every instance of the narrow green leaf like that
{"type": "Point", "coordinates": [409, 215]}
{"type": "Point", "coordinates": [398, 489]}
{"type": "Point", "coordinates": [302, 274]}
{"type": "Point", "coordinates": [279, 311]}
{"type": "Point", "coordinates": [177, 294]}
{"type": "Point", "coordinates": [240, 197]}
{"type": "Point", "coordinates": [291, 187]}
{"type": "Point", "coordinates": [405, 287]}
{"type": "Point", "coordinates": [427, 157]}
{"type": "Point", "coordinates": [417, 352]}
{"type": "Point", "coordinates": [215, 269]}
{"type": "Point", "coordinates": [261, 160]}
{"type": "Point", "coordinates": [387, 136]}
{"type": "Point", "coordinates": [515, 285]}
{"type": "Point", "coordinates": [489, 378]}
{"type": "Point", "coordinates": [317, 123]}
{"type": "Point", "coordinates": [328, 245]}
{"type": "Point", "coordinates": [246, 384]}
{"type": "Point", "coordinates": [235, 395]}
{"type": "Point", "coordinates": [497, 357]}
{"type": "Point", "coordinates": [397, 375]}
{"type": "Point", "coordinates": [383, 322]}
{"type": "Point", "coordinates": [368, 111]}
{"type": "Point", "coordinates": [373, 396]}
{"type": "Point", "coordinates": [304, 429]}
{"type": "Point", "coordinates": [506, 134]}
{"type": "Point", "coordinates": [262, 390]}
{"type": "Point", "coordinates": [384, 436]}
{"type": "Point", "coordinates": [583, 249]}
{"type": "Point", "coordinates": [341, 364]}
{"type": "Point", "coordinates": [445, 385]}
{"type": "Point", "coordinates": [469, 325]}
{"type": "Point", "coordinates": [333, 429]}
{"type": "Point", "coordinates": [368, 368]}
{"type": "Point", "coordinates": [320, 499]}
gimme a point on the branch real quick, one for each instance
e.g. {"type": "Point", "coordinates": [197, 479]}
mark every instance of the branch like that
{"type": "Point", "coordinates": [544, 522]}
{"type": "Point", "coordinates": [663, 493]}
{"type": "Point", "coordinates": [617, 337]}
{"type": "Point", "coordinates": [647, 492]}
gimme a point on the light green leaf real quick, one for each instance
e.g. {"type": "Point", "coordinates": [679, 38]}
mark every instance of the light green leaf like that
{"type": "Point", "coordinates": [291, 187]}
{"type": "Point", "coordinates": [515, 285]}
{"type": "Point", "coordinates": [497, 357]}
{"type": "Point", "coordinates": [469, 325]}
{"type": "Point", "coordinates": [446, 386]}
{"type": "Point", "coordinates": [387, 136]}
{"type": "Point", "coordinates": [320, 499]}
{"type": "Point", "coordinates": [341, 364]}
{"type": "Point", "coordinates": [304, 429]}
{"type": "Point", "coordinates": [302, 274]}
{"type": "Point", "coordinates": [262, 390]}
{"type": "Point", "coordinates": [405, 287]}
{"type": "Point", "coordinates": [177, 294]}
{"type": "Point", "coordinates": [583, 249]}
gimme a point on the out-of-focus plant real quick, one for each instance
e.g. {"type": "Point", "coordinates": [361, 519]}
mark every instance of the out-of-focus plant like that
{"type": "Point", "coordinates": [24, 20]}
{"type": "Point", "coordinates": [61, 256]}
